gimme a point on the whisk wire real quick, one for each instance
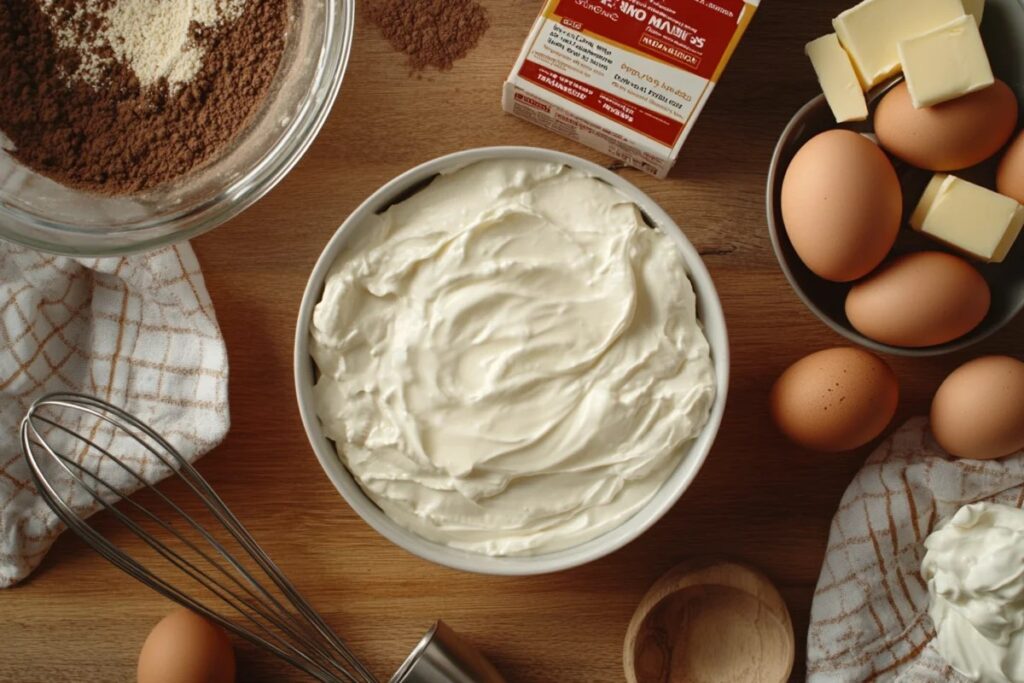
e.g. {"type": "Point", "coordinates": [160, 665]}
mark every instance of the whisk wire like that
{"type": "Point", "coordinates": [298, 635]}
{"type": "Point", "coordinates": [270, 640]}
{"type": "Point", "coordinates": [224, 515]}
{"type": "Point", "coordinates": [211, 561]}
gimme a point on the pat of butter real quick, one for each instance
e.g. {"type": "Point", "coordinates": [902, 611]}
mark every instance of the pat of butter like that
{"type": "Point", "coordinates": [946, 63]}
{"type": "Point", "coordinates": [871, 31]}
{"type": "Point", "coordinates": [976, 8]}
{"type": "Point", "coordinates": [969, 217]}
{"type": "Point", "coordinates": [838, 79]}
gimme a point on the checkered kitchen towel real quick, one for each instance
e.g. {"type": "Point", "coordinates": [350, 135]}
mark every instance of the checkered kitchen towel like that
{"type": "Point", "coordinates": [869, 620]}
{"type": "Point", "coordinates": [139, 332]}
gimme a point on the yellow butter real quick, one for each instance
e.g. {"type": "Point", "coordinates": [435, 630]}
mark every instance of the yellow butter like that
{"type": "Point", "coordinates": [838, 79]}
{"type": "Point", "coordinates": [871, 31]}
{"type": "Point", "coordinates": [976, 8]}
{"type": "Point", "coordinates": [968, 217]}
{"type": "Point", "coordinates": [946, 63]}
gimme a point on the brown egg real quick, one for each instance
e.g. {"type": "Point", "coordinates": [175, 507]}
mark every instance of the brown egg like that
{"type": "Point", "coordinates": [978, 412]}
{"type": "Point", "coordinates": [919, 300]}
{"type": "Point", "coordinates": [842, 205]}
{"type": "Point", "coordinates": [949, 136]}
{"type": "Point", "coordinates": [186, 648]}
{"type": "Point", "coordinates": [835, 400]}
{"type": "Point", "coordinates": [1010, 179]}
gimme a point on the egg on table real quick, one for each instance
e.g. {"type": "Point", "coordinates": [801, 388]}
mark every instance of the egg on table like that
{"type": "Point", "coordinates": [841, 205]}
{"type": "Point", "coordinates": [978, 412]}
{"type": "Point", "coordinates": [950, 136]}
{"type": "Point", "coordinates": [918, 300]}
{"type": "Point", "coordinates": [835, 400]}
{"type": "Point", "coordinates": [1010, 179]}
{"type": "Point", "coordinates": [186, 648]}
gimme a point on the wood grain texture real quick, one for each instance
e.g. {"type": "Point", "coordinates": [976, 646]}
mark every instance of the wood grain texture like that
{"type": "Point", "coordinates": [709, 621]}
{"type": "Point", "coordinates": [758, 499]}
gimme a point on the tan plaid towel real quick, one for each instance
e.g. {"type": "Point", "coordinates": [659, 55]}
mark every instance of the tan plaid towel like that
{"type": "Point", "coordinates": [137, 331]}
{"type": "Point", "coordinates": [869, 620]}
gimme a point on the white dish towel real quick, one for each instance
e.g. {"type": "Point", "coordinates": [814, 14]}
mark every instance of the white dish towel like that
{"type": "Point", "coordinates": [138, 331]}
{"type": "Point", "coordinates": [869, 619]}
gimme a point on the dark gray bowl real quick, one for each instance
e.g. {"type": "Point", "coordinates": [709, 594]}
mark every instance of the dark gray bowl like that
{"type": "Point", "coordinates": [1003, 30]}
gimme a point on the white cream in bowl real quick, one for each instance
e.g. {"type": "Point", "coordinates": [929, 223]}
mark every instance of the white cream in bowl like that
{"type": "Point", "coordinates": [510, 360]}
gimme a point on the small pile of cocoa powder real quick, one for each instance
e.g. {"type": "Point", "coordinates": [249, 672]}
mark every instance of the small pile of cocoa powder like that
{"type": "Point", "coordinates": [433, 33]}
{"type": "Point", "coordinates": [120, 137]}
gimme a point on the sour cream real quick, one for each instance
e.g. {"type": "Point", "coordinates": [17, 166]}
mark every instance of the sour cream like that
{"type": "Point", "coordinates": [511, 361]}
{"type": "Point", "coordinates": [975, 573]}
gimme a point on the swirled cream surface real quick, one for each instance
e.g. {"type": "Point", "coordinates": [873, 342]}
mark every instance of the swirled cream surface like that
{"type": "Point", "coordinates": [975, 573]}
{"type": "Point", "coordinates": [511, 361]}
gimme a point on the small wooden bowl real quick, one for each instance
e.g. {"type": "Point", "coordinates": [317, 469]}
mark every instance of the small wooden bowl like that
{"type": "Point", "coordinates": [710, 622]}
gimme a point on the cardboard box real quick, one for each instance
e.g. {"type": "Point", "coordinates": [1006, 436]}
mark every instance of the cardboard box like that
{"type": "Point", "coordinates": [626, 77]}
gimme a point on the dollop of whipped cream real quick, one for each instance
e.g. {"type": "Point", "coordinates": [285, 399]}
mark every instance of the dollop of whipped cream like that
{"type": "Point", "coordinates": [975, 573]}
{"type": "Point", "coordinates": [511, 361]}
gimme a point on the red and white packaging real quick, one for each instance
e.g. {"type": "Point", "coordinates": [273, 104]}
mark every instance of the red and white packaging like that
{"type": "Point", "coordinates": [626, 77]}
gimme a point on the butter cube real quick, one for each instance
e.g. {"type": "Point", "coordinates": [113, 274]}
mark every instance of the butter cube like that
{"type": "Point", "coordinates": [976, 8]}
{"type": "Point", "coordinates": [969, 217]}
{"type": "Point", "coordinates": [838, 79]}
{"type": "Point", "coordinates": [871, 31]}
{"type": "Point", "coordinates": [946, 63]}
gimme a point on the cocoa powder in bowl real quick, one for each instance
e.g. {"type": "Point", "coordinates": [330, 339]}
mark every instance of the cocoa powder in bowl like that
{"type": "Point", "coordinates": [114, 136]}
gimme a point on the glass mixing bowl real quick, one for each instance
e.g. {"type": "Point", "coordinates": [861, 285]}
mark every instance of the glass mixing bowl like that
{"type": "Point", "coordinates": [40, 213]}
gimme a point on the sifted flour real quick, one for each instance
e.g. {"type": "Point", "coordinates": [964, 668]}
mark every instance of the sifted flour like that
{"type": "Point", "coordinates": [154, 38]}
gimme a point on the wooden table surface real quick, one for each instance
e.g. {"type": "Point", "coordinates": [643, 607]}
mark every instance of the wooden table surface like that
{"type": "Point", "coordinates": [758, 499]}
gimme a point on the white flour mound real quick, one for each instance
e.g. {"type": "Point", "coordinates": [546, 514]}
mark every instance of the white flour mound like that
{"type": "Point", "coordinates": [152, 37]}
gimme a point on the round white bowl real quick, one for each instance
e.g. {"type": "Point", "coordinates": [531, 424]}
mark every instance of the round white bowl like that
{"type": "Point", "coordinates": [709, 311]}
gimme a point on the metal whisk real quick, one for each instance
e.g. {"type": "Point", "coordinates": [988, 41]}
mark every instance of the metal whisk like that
{"type": "Point", "coordinates": [70, 440]}
{"type": "Point", "coordinates": [217, 570]}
